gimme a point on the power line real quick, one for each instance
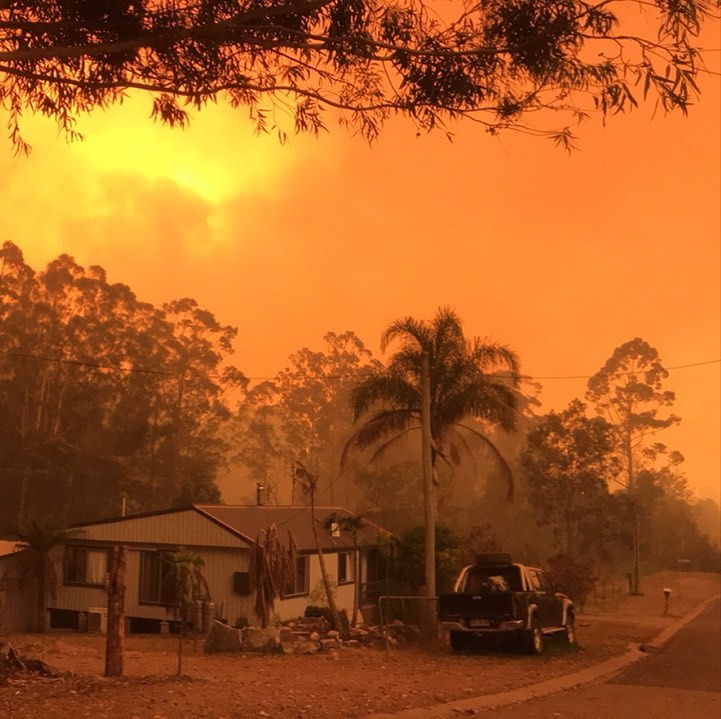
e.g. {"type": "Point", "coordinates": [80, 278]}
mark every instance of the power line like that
{"type": "Point", "coordinates": [622, 374]}
{"type": "Point", "coordinates": [170, 373]}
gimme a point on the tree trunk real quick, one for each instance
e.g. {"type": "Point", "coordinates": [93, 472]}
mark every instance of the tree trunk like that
{"type": "Point", "coordinates": [323, 572]}
{"type": "Point", "coordinates": [356, 580]}
{"type": "Point", "coordinates": [41, 621]}
{"type": "Point", "coordinates": [115, 639]}
{"type": "Point", "coordinates": [429, 610]}
{"type": "Point", "coordinates": [181, 636]}
{"type": "Point", "coordinates": [633, 496]}
{"type": "Point", "coordinates": [636, 581]}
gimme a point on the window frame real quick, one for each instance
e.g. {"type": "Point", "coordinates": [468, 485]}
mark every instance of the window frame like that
{"type": "Point", "coordinates": [305, 589]}
{"type": "Point", "coordinates": [142, 581]}
{"type": "Point", "coordinates": [68, 561]}
{"type": "Point", "coordinates": [348, 576]}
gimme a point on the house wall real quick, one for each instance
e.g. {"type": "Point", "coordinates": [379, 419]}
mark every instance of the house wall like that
{"type": "Point", "coordinates": [295, 606]}
{"type": "Point", "coordinates": [223, 554]}
{"type": "Point", "coordinates": [220, 564]}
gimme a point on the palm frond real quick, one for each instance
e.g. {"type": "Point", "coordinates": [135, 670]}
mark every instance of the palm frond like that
{"type": "Point", "coordinates": [495, 357]}
{"type": "Point", "coordinates": [406, 330]}
{"type": "Point", "coordinates": [383, 389]}
{"type": "Point", "coordinates": [502, 464]}
{"type": "Point", "coordinates": [468, 378]}
{"type": "Point", "coordinates": [379, 426]}
{"type": "Point", "coordinates": [384, 446]}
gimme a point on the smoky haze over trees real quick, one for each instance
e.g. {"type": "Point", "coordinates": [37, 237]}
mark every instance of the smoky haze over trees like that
{"type": "Point", "coordinates": [105, 397]}
{"type": "Point", "coordinates": [303, 415]}
{"type": "Point", "coordinates": [497, 62]}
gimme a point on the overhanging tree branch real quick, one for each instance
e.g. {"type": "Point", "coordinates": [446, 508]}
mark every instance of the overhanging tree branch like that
{"type": "Point", "coordinates": [497, 61]}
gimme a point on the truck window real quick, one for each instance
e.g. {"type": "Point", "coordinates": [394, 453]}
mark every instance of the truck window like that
{"type": "Point", "coordinates": [492, 579]}
{"type": "Point", "coordinates": [546, 585]}
{"type": "Point", "coordinates": [534, 580]}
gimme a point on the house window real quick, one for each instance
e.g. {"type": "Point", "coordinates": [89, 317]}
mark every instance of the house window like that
{"type": "Point", "coordinates": [345, 568]}
{"type": "Point", "coordinates": [86, 566]}
{"type": "Point", "coordinates": [157, 585]}
{"type": "Point", "coordinates": [300, 586]}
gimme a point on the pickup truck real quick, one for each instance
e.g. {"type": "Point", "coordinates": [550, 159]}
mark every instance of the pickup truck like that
{"type": "Point", "coordinates": [497, 597]}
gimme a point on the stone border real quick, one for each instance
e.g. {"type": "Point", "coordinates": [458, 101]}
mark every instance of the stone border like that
{"type": "Point", "coordinates": [599, 672]}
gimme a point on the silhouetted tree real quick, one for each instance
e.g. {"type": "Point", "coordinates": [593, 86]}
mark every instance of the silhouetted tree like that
{"type": "Point", "coordinates": [628, 391]}
{"type": "Point", "coordinates": [497, 62]}
{"type": "Point", "coordinates": [304, 414]}
{"type": "Point", "coordinates": [568, 464]}
{"type": "Point", "coordinates": [102, 395]}
{"type": "Point", "coordinates": [468, 378]}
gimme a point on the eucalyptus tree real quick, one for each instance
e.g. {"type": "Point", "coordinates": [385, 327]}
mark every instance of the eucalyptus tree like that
{"type": "Point", "coordinates": [629, 392]}
{"type": "Point", "coordinates": [467, 378]}
{"type": "Point", "coordinates": [303, 414]}
{"type": "Point", "coordinates": [499, 63]}
{"type": "Point", "coordinates": [568, 464]}
{"type": "Point", "coordinates": [191, 403]}
{"type": "Point", "coordinates": [102, 395]}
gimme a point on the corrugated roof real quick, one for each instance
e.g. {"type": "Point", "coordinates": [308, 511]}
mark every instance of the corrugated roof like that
{"type": "Point", "coordinates": [246, 521]}
{"type": "Point", "coordinates": [250, 520]}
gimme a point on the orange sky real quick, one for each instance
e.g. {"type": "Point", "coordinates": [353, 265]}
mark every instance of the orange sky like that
{"type": "Point", "coordinates": [563, 258]}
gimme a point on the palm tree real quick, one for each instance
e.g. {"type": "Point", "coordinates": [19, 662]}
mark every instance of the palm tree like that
{"type": "Point", "coordinates": [467, 378]}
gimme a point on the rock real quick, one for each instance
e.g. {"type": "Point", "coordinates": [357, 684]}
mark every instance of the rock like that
{"type": "Point", "coordinates": [304, 646]}
{"type": "Point", "coordinates": [260, 640]}
{"type": "Point", "coordinates": [330, 643]}
{"type": "Point", "coordinates": [287, 634]}
{"type": "Point", "coordinates": [333, 634]}
{"type": "Point", "coordinates": [222, 638]}
{"type": "Point", "coordinates": [351, 643]}
{"type": "Point", "coordinates": [39, 666]}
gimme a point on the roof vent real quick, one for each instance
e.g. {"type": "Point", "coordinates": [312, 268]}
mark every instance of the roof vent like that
{"type": "Point", "coordinates": [259, 494]}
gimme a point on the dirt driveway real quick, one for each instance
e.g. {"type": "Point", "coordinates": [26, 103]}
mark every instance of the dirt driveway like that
{"type": "Point", "coordinates": [343, 684]}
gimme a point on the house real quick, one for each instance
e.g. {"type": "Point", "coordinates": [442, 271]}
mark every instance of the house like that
{"type": "Point", "coordinates": [223, 536]}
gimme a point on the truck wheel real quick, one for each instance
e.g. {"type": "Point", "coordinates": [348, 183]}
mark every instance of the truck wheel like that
{"type": "Point", "coordinates": [570, 632]}
{"type": "Point", "coordinates": [534, 638]}
{"type": "Point", "coordinates": [460, 642]}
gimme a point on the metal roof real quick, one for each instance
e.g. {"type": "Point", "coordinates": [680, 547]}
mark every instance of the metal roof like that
{"type": "Point", "coordinates": [250, 520]}
{"type": "Point", "coordinates": [247, 521]}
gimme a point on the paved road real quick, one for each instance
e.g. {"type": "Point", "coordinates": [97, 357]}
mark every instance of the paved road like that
{"type": "Point", "coordinates": [682, 680]}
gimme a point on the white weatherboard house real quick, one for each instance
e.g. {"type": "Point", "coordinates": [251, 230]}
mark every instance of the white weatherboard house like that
{"type": "Point", "coordinates": [223, 536]}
